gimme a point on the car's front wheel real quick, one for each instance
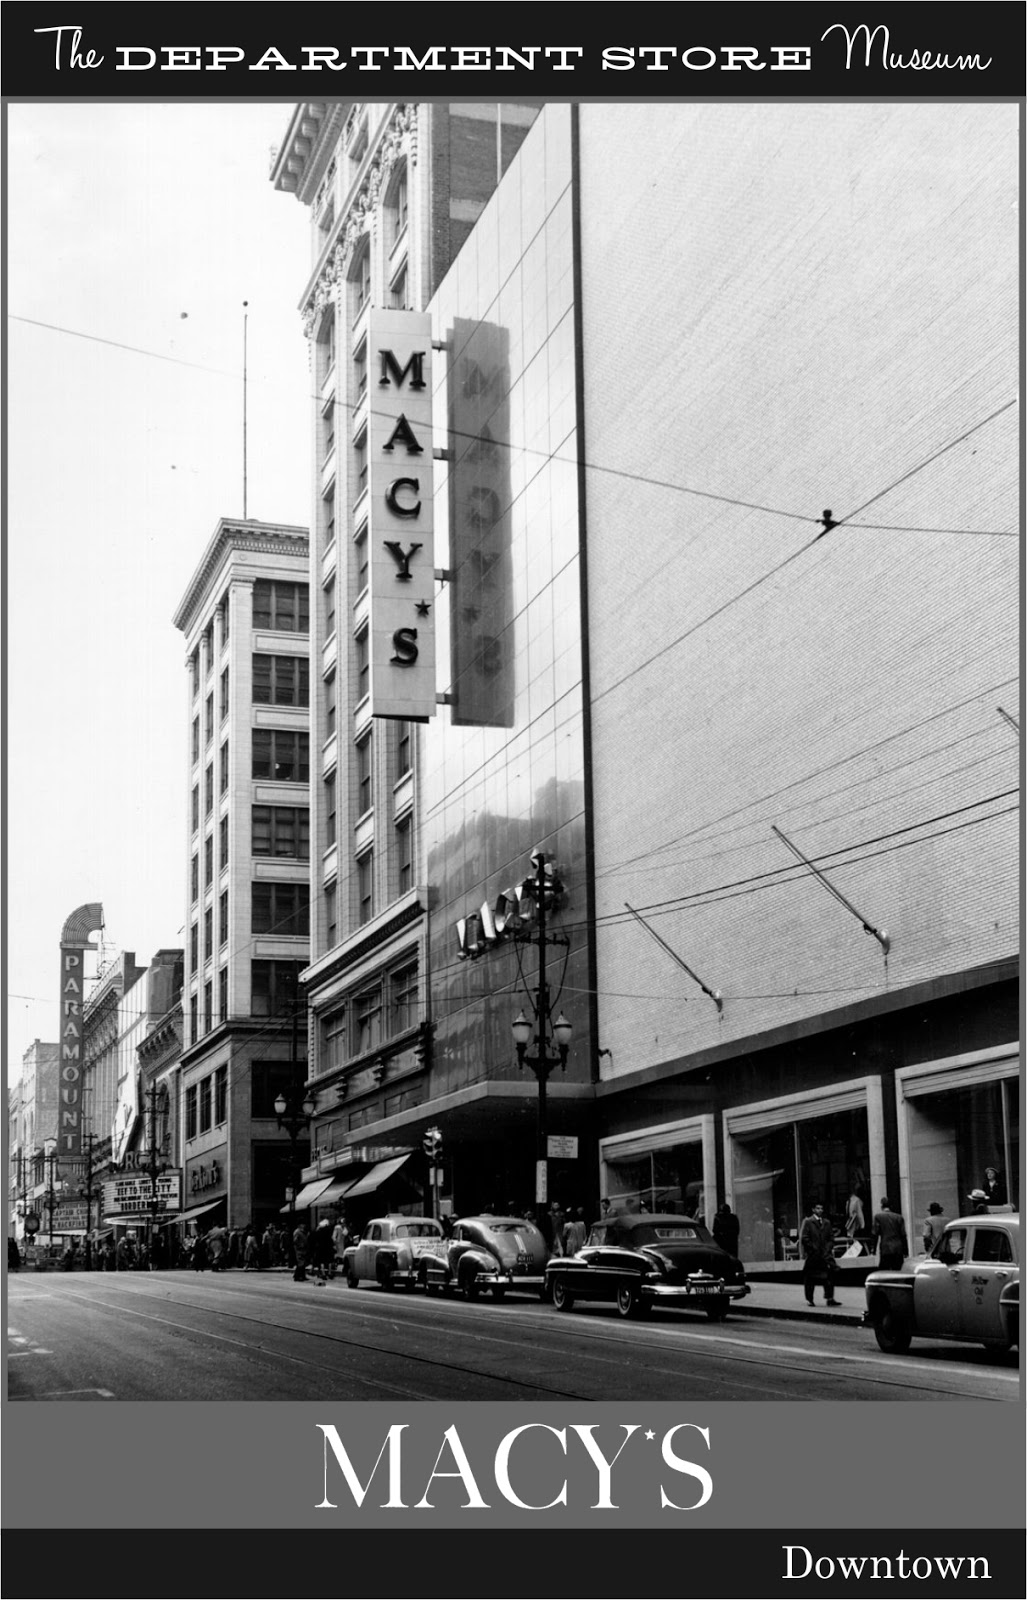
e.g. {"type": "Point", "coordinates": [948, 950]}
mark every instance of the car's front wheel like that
{"type": "Point", "coordinates": [561, 1296]}
{"type": "Point", "coordinates": [718, 1310]}
{"type": "Point", "coordinates": [469, 1284]}
{"type": "Point", "coordinates": [892, 1331]}
{"type": "Point", "coordinates": [351, 1277]}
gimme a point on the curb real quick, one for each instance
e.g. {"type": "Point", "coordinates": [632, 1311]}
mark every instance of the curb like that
{"type": "Point", "coordinates": [847, 1318]}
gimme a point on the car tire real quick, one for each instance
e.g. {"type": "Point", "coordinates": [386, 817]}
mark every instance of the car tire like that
{"type": "Point", "coordinates": [560, 1295]}
{"type": "Point", "coordinates": [351, 1278]}
{"type": "Point", "coordinates": [892, 1332]}
{"type": "Point", "coordinates": [627, 1300]}
{"type": "Point", "coordinates": [718, 1311]}
{"type": "Point", "coordinates": [470, 1285]}
{"type": "Point", "coordinates": [499, 1291]}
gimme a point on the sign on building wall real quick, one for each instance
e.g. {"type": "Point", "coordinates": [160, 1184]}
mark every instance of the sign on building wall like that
{"type": "Point", "coordinates": [481, 575]}
{"type": "Point", "coordinates": [134, 1193]}
{"type": "Point", "coordinates": [74, 944]}
{"type": "Point", "coordinates": [400, 520]}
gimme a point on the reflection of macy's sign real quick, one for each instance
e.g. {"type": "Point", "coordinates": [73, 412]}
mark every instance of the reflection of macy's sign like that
{"type": "Point", "coordinates": [205, 1178]}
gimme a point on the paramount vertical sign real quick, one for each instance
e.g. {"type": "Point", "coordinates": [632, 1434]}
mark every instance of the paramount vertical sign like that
{"type": "Point", "coordinates": [400, 520]}
{"type": "Point", "coordinates": [74, 944]}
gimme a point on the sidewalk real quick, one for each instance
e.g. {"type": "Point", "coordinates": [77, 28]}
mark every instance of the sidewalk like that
{"type": "Point", "coordinates": [785, 1299]}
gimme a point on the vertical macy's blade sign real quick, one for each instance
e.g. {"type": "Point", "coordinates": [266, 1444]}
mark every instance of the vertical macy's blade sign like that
{"type": "Point", "coordinates": [74, 944]}
{"type": "Point", "coordinates": [401, 517]}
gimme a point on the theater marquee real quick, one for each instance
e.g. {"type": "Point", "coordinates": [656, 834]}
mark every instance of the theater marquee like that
{"type": "Point", "coordinates": [74, 944]}
{"type": "Point", "coordinates": [400, 527]}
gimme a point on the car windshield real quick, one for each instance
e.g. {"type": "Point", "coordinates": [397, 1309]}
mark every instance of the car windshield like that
{"type": "Point", "coordinates": [418, 1230]}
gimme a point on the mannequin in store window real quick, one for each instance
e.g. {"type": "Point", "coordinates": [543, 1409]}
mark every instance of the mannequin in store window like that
{"type": "Point", "coordinates": [994, 1186]}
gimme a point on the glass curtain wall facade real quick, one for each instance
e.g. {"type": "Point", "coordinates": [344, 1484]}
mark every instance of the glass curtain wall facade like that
{"type": "Point", "coordinates": [504, 763]}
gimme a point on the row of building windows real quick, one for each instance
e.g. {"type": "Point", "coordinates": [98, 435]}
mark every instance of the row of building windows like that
{"type": "Point", "coordinates": [206, 1103]}
{"type": "Point", "coordinates": [380, 1011]}
{"type": "Point", "coordinates": [280, 908]}
{"type": "Point", "coordinates": [207, 644]}
{"type": "Point", "coordinates": [274, 992]}
{"type": "Point", "coordinates": [281, 607]}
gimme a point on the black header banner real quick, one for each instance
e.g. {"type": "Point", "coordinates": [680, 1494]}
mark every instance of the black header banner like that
{"type": "Point", "coordinates": [291, 52]}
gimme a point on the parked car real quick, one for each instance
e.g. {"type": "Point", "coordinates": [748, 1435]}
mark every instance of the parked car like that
{"type": "Point", "coordinates": [968, 1288]}
{"type": "Point", "coordinates": [642, 1259]}
{"type": "Point", "coordinates": [494, 1253]}
{"type": "Point", "coordinates": [392, 1251]}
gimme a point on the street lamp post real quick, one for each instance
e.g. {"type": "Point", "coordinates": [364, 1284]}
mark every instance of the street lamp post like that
{"type": "Point", "coordinates": [50, 1152]}
{"type": "Point", "coordinates": [294, 1121]}
{"type": "Point", "coordinates": [552, 1037]}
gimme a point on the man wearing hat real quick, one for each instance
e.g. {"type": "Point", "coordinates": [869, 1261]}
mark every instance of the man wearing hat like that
{"type": "Point", "coordinates": [978, 1200]}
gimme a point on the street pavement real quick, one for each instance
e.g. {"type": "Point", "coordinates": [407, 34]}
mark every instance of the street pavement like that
{"type": "Point", "coordinates": [238, 1335]}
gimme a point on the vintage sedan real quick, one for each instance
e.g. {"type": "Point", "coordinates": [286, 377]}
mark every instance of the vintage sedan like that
{"type": "Point", "coordinates": [392, 1251]}
{"type": "Point", "coordinates": [642, 1259]}
{"type": "Point", "coordinates": [493, 1253]}
{"type": "Point", "coordinates": [968, 1289]}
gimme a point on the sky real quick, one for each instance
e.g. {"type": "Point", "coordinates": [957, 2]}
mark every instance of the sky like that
{"type": "Point", "coordinates": [136, 232]}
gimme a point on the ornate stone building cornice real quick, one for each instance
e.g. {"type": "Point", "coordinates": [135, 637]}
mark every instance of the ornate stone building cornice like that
{"type": "Point", "coordinates": [265, 538]}
{"type": "Point", "coordinates": [358, 217]}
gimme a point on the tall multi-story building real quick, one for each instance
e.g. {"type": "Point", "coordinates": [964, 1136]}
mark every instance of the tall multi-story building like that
{"type": "Point", "coordinates": [32, 1112]}
{"type": "Point", "coordinates": [783, 740]}
{"type": "Point", "coordinates": [245, 617]}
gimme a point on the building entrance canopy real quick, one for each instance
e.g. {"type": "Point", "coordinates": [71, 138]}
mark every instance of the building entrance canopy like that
{"type": "Point", "coordinates": [372, 1180]}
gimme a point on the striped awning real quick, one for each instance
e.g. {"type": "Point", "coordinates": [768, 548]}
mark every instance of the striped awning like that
{"type": "Point", "coordinates": [307, 1195]}
{"type": "Point", "coordinates": [379, 1174]}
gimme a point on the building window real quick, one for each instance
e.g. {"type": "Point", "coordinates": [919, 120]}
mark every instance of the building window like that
{"type": "Point", "coordinates": [405, 855]}
{"type": "Point", "coordinates": [208, 648]}
{"type": "Point", "coordinates": [194, 879]}
{"type": "Point", "coordinates": [365, 885]}
{"type": "Point", "coordinates": [360, 277]}
{"type": "Point", "coordinates": [208, 934]}
{"type": "Point", "coordinates": [274, 986]}
{"type": "Point", "coordinates": [206, 1086]}
{"type": "Point", "coordinates": [330, 705]}
{"type": "Point", "coordinates": [208, 790]}
{"type": "Point", "coordinates": [362, 654]}
{"type": "Point", "coordinates": [224, 695]}
{"type": "Point", "coordinates": [209, 729]}
{"type": "Point", "coordinates": [282, 607]}
{"type": "Point", "coordinates": [281, 680]}
{"type": "Point", "coordinates": [330, 811]}
{"type": "Point", "coordinates": [194, 672]}
{"type": "Point", "coordinates": [364, 763]}
{"type": "Point", "coordinates": [329, 599]}
{"type": "Point", "coordinates": [334, 1034]}
{"type": "Point", "coordinates": [196, 807]}
{"type": "Point", "coordinates": [223, 852]}
{"type": "Point", "coordinates": [208, 860]}
{"type": "Point", "coordinates": [326, 336]}
{"type": "Point", "coordinates": [220, 1096]}
{"type": "Point", "coordinates": [190, 1104]}
{"type": "Point", "coordinates": [223, 987]}
{"type": "Point", "coordinates": [367, 1021]}
{"type": "Point", "coordinates": [358, 143]}
{"type": "Point", "coordinates": [360, 558]}
{"type": "Point", "coordinates": [403, 998]}
{"type": "Point", "coordinates": [223, 614]}
{"type": "Point", "coordinates": [780, 1168]}
{"type": "Point", "coordinates": [194, 946]}
{"type": "Point", "coordinates": [404, 748]}
{"type": "Point", "coordinates": [327, 431]}
{"type": "Point", "coordinates": [331, 915]}
{"type": "Point", "coordinates": [328, 517]}
{"type": "Point", "coordinates": [360, 370]}
{"type": "Point", "coordinates": [224, 767]}
{"type": "Point", "coordinates": [399, 289]}
{"type": "Point", "coordinates": [397, 206]}
{"type": "Point", "coordinates": [360, 464]}
{"type": "Point", "coordinates": [208, 1006]}
{"type": "Point", "coordinates": [281, 755]}
{"type": "Point", "coordinates": [193, 1029]}
{"type": "Point", "coordinates": [281, 831]}
{"type": "Point", "coordinates": [281, 908]}
{"type": "Point", "coordinates": [223, 917]}
{"type": "Point", "coordinates": [196, 740]}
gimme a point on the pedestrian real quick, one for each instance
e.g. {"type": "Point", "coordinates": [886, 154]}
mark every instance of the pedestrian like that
{"type": "Point", "coordinates": [574, 1232]}
{"type": "Point", "coordinates": [198, 1254]}
{"type": "Point", "coordinates": [994, 1187]}
{"type": "Point", "coordinates": [726, 1228]}
{"type": "Point", "coordinates": [267, 1245]}
{"type": "Point", "coordinates": [979, 1201]}
{"type": "Point", "coordinates": [556, 1222]}
{"type": "Point", "coordinates": [816, 1242]}
{"type": "Point", "coordinates": [855, 1221]}
{"type": "Point", "coordinates": [251, 1252]}
{"type": "Point", "coordinates": [216, 1249]}
{"type": "Point", "coordinates": [123, 1254]}
{"type": "Point", "coordinates": [934, 1226]}
{"type": "Point", "coordinates": [889, 1236]}
{"type": "Point", "coordinates": [301, 1247]}
{"type": "Point", "coordinates": [13, 1254]}
{"type": "Point", "coordinates": [339, 1239]}
{"type": "Point", "coordinates": [322, 1250]}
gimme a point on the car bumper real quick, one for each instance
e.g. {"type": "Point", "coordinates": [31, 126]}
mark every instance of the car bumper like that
{"type": "Point", "coordinates": [695, 1291]}
{"type": "Point", "coordinates": [512, 1280]}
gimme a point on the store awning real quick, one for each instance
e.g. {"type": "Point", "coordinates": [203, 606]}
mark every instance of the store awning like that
{"type": "Point", "coordinates": [307, 1195]}
{"type": "Point", "coordinates": [335, 1191]}
{"type": "Point", "coordinates": [378, 1175]}
{"type": "Point", "coordinates": [197, 1211]}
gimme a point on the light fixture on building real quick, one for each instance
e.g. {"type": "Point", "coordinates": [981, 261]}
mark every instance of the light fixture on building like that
{"type": "Point", "coordinates": [295, 1122]}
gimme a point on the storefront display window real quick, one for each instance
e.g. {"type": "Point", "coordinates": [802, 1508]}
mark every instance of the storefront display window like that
{"type": "Point", "coordinates": [778, 1172]}
{"type": "Point", "coordinates": [659, 1180]}
{"type": "Point", "coordinates": [961, 1140]}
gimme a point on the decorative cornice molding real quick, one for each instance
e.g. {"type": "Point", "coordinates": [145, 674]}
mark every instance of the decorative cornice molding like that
{"type": "Point", "coordinates": [398, 141]}
{"type": "Point", "coordinates": [265, 538]}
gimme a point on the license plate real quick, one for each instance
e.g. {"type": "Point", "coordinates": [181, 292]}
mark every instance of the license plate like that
{"type": "Point", "coordinates": [705, 1288]}
{"type": "Point", "coordinates": [523, 1258]}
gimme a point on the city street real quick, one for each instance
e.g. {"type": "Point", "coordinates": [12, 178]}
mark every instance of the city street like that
{"type": "Point", "coordinates": [185, 1336]}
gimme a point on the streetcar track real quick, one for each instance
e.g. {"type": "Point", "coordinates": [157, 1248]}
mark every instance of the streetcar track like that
{"type": "Point", "coordinates": [707, 1346]}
